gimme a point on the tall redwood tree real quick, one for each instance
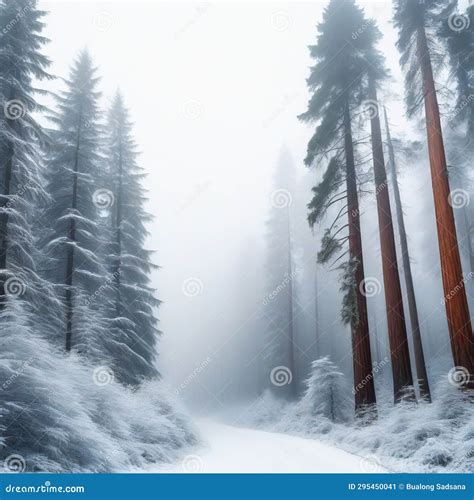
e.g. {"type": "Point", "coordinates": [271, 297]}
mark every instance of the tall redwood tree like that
{"type": "Point", "coordinates": [415, 21]}
{"type": "Point", "coordinates": [398, 340]}
{"type": "Point", "coordinates": [400, 356]}
{"type": "Point", "coordinates": [421, 372]}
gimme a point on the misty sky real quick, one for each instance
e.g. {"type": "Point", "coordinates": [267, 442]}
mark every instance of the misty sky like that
{"type": "Point", "coordinates": [214, 90]}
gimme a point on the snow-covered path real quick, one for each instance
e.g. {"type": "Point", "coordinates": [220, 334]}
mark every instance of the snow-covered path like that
{"type": "Point", "coordinates": [236, 449]}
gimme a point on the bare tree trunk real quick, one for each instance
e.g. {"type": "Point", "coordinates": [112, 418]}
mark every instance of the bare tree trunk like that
{"type": "Point", "coordinates": [293, 386]}
{"type": "Point", "coordinates": [457, 310]}
{"type": "Point", "coordinates": [468, 229]}
{"type": "Point", "coordinates": [364, 390]}
{"type": "Point", "coordinates": [6, 181]}
{"type": "Point", "coordinates": [4, 224]}
{"type": "Point", "coordinates": [118, 235]}
{"type": "Point", "coordinates": [317, 340]}
{"type": "Point", "coordinates": [412, 307]}
{"type": "Point", "coordinates": [69, 298]}
{"type": "Point", "coordinates": [378, 356]}
{"type": "Point", "coordinates": [397, 333]}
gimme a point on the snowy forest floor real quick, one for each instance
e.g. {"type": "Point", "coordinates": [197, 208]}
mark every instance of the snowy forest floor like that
{"type": "Point", "coordinates": [270, 434]}
{"type": "Point", "coordinates": [407, 437]}
{"type": "Point", "coordinates": [235, 449]}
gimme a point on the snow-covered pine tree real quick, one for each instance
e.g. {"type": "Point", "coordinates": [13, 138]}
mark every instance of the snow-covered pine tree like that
{"type": "Point", "coordinates": [22, 167]}
{"type": "Point", "coordinates": [326, 392]}
{"type": "Point", "coordinates": [132, 323]}
{"type": "Point", "coordinates": [279, 344]}
{"type": "Point", "coordinates": [21, 183]}
{"type": "Point", "coordinates": [27, 302]}
{"type": "Point", "coordinates": [73, 244]}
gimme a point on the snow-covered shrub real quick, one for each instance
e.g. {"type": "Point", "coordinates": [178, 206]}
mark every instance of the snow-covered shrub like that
{"type": "Point", "coordinates": [265, 412]}
{"type": "Point", "coordinates": [60, 413]}
{"type": "Point", "coordinates": [407, 437]}
{"type": "Point", "coordinates": [326, 393]}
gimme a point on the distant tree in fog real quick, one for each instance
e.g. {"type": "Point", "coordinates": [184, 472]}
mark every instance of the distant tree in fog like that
{"type": "Point", "coordinates": [280, 273]}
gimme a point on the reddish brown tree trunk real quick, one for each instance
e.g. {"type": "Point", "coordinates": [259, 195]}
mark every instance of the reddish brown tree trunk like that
{"type": "Point", "coordinates": [397, 333]}
{"type": "Point", "coordinates": [364, 390]}
{"type": "Point", "coordinates": [457, 311]}
{"type": "Point", "coordinates": [421, 373]}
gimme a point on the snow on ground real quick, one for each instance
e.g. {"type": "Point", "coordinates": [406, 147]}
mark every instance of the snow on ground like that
{"type": "Point", "coordinates": [235, 449]}
{"type": "Point", "coordinates": [407, 437]}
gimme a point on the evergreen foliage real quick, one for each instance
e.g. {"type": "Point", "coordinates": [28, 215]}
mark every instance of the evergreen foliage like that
{"type": "Point", "coordinates": [74, 242]}
{"type": "Point", "coordinates": [132, 322]}
{"type": "Point", "coordinates": [325, 394]}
